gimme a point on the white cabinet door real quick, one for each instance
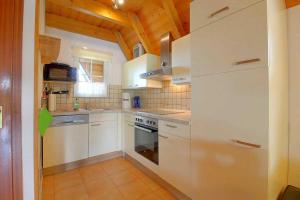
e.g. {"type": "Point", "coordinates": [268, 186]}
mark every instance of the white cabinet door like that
{"type": "Point", "coordinates": [237, 42]}
{"type": "Point", "coordinates": [129, 137]}
{"type": "Point", "coordinates": [204, 12]}
{"type": "Point", "coordinates": [127, 81]}
{"type": "Point", "coordinates": [174, 161]}
{"type": "Point", "coordinates": [181, 60]}
{"type": "Point", "coordinates": [103, 138]}
{"type": "Point", "coordinates": [230, 118]}
{"type": "Point", "coordinates": [65, 144]}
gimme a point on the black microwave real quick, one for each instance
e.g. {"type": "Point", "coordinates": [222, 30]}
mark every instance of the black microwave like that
{"type": "Point", "coordinates": [59, 72]}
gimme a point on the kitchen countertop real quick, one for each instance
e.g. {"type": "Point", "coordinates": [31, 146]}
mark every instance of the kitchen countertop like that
{"type": "Point", "coordinates": [184, 117]}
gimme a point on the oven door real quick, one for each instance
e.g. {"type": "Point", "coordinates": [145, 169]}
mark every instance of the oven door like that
{"type": "Point", "coordinates": [146, 142]}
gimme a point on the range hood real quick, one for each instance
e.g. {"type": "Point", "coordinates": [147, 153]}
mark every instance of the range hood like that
{"type": "Point", "coordinates": [165, 70]}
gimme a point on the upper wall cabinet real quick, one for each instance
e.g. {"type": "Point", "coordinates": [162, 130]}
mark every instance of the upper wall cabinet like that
{"type": "Point", "coordinates": [181, 60]}
{"type": "Point", "coordinates": [204, 12]}
{"type": "Point", "coordinates": [49, 47]}
{"type": "Point", "coordinates": [237, 42]}
{"type": "Point", "coordinates": [134, 68]}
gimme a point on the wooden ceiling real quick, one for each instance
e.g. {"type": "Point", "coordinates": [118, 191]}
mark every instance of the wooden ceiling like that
{"type": "Point", "coordinates": [137, 20]}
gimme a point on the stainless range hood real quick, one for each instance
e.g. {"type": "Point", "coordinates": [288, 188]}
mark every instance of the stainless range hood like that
{"type": "Point", "coordinates": [165, 70]}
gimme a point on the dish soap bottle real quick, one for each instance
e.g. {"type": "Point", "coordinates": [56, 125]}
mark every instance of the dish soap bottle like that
{"type": "Point", "coordinates": [76, 104]}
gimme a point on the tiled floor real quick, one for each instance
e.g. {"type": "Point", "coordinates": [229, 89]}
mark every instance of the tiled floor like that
{"type": "Point", "coordinates": [115, 179]}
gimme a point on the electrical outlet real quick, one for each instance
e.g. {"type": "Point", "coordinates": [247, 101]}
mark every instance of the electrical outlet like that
{"type": "Point", "coordinates": [1, 113]}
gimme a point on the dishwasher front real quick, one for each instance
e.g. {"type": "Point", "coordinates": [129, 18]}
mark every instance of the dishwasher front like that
{"type": "Point", "coordinates": [66, 140]}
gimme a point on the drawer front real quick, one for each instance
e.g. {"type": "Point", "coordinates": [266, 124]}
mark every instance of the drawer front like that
{"type": "Point", "coordinates": [204, 12]}
{"type": "Point", "coordinates": [98, 117]}
{"type": "Point", "coordinates": [180, 130]}
{"type": "Point", "coordinates": [236, 43]}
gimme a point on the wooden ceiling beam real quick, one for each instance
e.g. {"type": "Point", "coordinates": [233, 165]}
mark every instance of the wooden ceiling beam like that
{"type": "Point", "coordinates": [140, 31]}
{"type": "Point", "coordinates": [176, 24]}
{"type": "Point", "coordinates": [76, 26]}
{"type": "Point", "coordinates": [292, 3]}
{"type": "Point", "coordinates": [97, 9]}
{"type": "Point", "coordinates": [123, 45]}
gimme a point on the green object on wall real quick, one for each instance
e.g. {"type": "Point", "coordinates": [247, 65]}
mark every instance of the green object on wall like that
{"type": "Point", "coordinates": [45, 119]}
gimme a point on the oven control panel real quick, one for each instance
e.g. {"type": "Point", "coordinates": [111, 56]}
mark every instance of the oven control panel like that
{"type": "Point", "coordinates": [147, 121]}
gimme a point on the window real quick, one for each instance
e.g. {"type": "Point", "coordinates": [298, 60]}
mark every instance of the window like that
{"type": "Point", "coordinates": [91, 72]}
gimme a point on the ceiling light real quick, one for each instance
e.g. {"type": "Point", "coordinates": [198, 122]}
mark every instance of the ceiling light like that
{"type": "Point", "coordinates": [85, 48]}
{"type": "Point", "coordinates": [120, 2]}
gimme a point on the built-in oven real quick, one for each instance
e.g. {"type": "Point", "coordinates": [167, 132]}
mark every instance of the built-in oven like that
{"type": "Point", "coordinates": [146, 138]}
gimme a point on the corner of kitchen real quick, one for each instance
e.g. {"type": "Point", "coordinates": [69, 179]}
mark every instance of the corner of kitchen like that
{"type": "Point", "coordinates": [105, 107]}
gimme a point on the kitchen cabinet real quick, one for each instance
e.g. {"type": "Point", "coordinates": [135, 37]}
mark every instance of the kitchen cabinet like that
{"type": "Point", "coordinates": [174, 155]}
{"type": "Point", "coordinates": [205, 12]}
{"type": "Point", "coordinates": [65, 144]}
{"type": "Point", "coordinates": [181, 60]}
{"type": "Point", "coordinates": [103, 134]}
{"type": "Point", "coordinates": [239, 133]}
{"type": "Point", "coordinates": [128, 128]}
{"type": "Point", "coordinates": [226, 117]}
{"type": "Point", "coordinates": [237, 42]}
{"type": "Point", "coordinates": [134, 68]}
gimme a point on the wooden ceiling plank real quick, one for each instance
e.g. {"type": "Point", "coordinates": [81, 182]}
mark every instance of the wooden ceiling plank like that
{"type": "Point", "coordinates": [76, 26]}
{"type": "Point", "coordinates": [292, 3]}
{"type": "Point", "coordinates": [175, 21]}
{"type": "Point", "coordinates": [140, 31]}
{"type": "Point", "coordinates": [123, 45]}
{"type": "Point", "coordinates": [97, 9]}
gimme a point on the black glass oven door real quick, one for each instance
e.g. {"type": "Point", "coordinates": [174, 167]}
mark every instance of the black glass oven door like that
{"type": "Point", "coordinates": [146, 143]}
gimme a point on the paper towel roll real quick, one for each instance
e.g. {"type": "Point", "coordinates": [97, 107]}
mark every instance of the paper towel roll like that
{"type": "Point", "coordinates": [52, 102]}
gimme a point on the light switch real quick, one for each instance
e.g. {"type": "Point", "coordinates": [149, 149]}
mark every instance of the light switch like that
{"type": "Point", "coordinates": [1, 113]}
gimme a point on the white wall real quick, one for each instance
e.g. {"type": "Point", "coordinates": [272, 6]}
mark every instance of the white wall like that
{"type": "Point", "coordinates": [69, 40]}
{"type": "Point", "coordinates": [28, 99]}
{"type": "Point", "coordinates": [294, 94]}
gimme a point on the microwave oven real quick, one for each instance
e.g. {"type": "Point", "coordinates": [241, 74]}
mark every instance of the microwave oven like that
{"type": "Point", "coordinates": [60, 72]}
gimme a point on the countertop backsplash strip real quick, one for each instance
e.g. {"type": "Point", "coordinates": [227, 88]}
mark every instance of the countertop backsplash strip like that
{"type": "Point", "coordinates": [169, 96]}
{"type": "Point", "coordinates": [66, 101]}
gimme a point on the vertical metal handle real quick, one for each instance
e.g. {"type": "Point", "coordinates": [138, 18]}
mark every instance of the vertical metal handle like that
{"type": "Point", "coordinates": [218, 12]}
{"type": "Point", "coordinates": [1, 116]}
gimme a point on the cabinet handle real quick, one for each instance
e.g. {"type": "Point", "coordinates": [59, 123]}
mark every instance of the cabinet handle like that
{"type": "Point", "coordinates": [95, 124]}
{"type": "Point", "coordinates": [246, 144]}
{"type": "Point", "coordinates": [171, 126]}
{"type": "Point", "coordinates": [219, 11]}
{"type": "Point", "coordinates": [247, 61]}
{"type": "Point", "coordinates": [130, 125]}
{"type": "Point", "coordinates": [165, 137]}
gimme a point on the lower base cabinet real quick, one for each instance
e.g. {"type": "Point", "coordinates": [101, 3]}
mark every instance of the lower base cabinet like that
{"type": "Point", "coordinates": [103, 134]}
{"type": "Point", "coordinates": [174, 161]}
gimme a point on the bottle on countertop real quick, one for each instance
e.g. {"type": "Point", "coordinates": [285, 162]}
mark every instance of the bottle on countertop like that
{"type": "Point", "coordinates": [76, 104]}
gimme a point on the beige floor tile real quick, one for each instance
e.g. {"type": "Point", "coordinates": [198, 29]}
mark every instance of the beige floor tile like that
{"type": "Point", "coordinates": [163, 194]}
{"type": "Point", "coordinates": [134, 190]}
{"type": "Point", "coordinates": [48, 185]}
{"type": "Point", "coordinates": [152, 184]}
{"type": "Point", "coordinates": [123, 177]}
{"type": "Point", "coordinates": [111, 194]}
{"type": "Point", "coordinates": [115, 166]}
{"type": "Point", "coordinates": [99, 187]}
{"type": "Point", "coordinates": [72, 193]}
{"type": "Point", "coordinates": [150, 197]}
{"type": "Point", "coordinates": [92, 172]}
{"type": "Point", "coordinates": [66, 180]}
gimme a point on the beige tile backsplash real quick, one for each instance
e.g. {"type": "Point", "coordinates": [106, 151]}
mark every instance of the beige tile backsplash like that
{"type": "Point", "coordinates": [65, 101]}
{"type": "Point", "coordinates": [170, 97]}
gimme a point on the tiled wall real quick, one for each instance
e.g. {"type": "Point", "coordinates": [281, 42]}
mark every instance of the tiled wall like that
{"type": "Point", "coordinates": [170, 96]}
{"type": "Point", "coordinates": [65, 101]}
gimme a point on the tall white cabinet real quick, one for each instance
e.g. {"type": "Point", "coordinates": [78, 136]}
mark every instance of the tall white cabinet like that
{"type": "Point", "coordinates": [239, 99]}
